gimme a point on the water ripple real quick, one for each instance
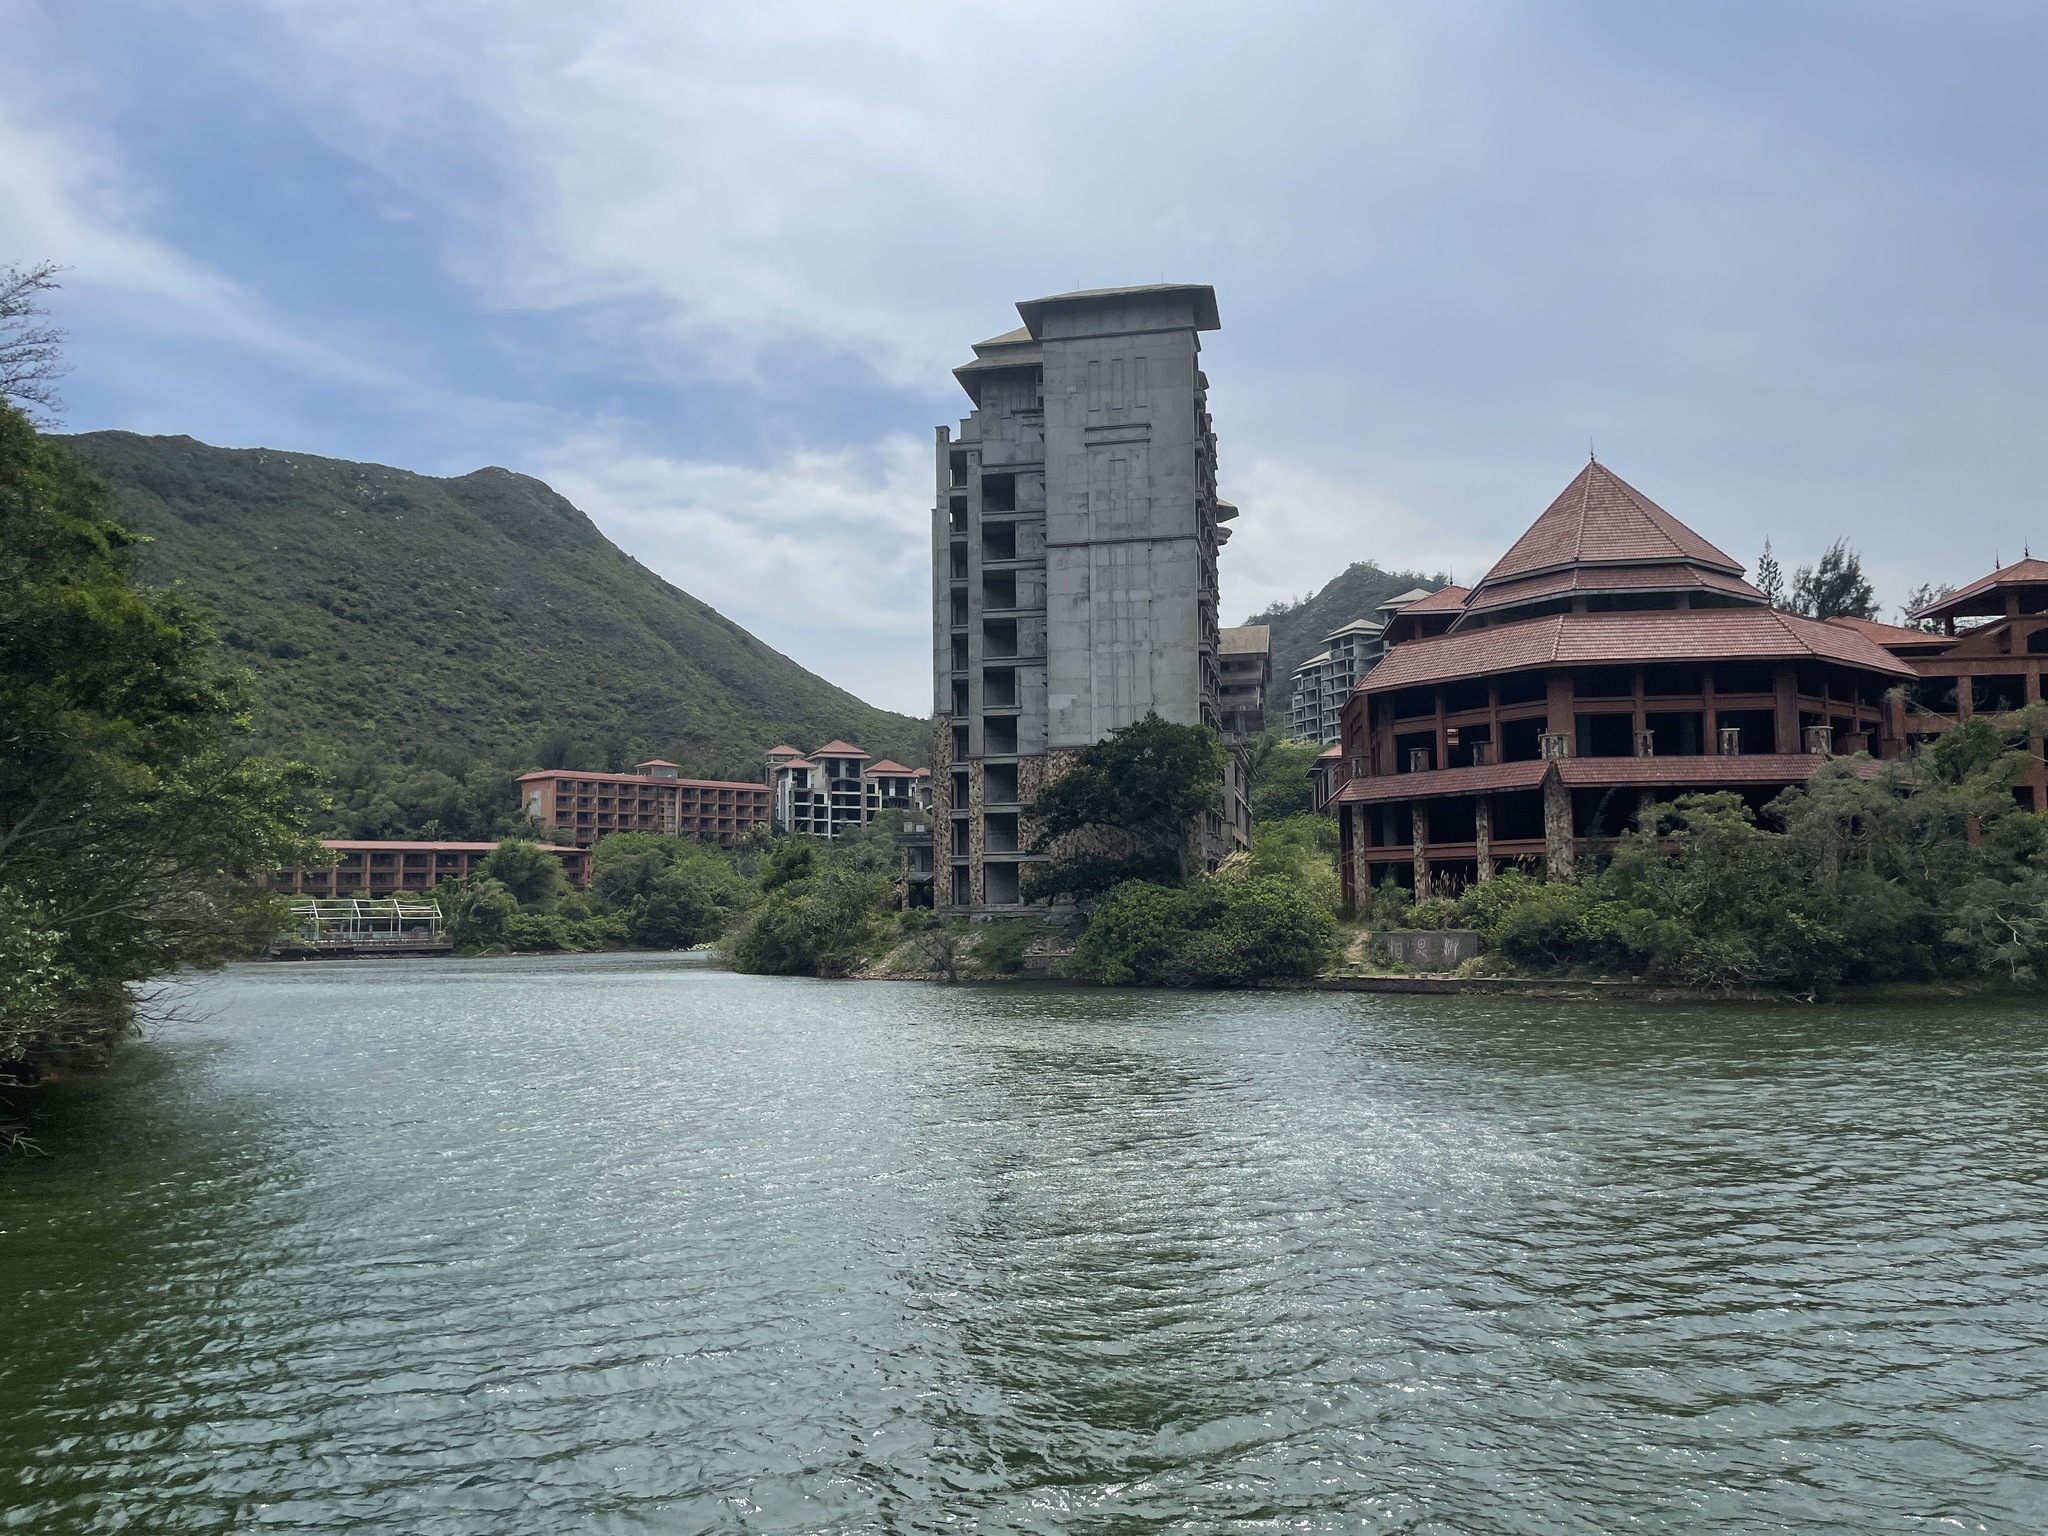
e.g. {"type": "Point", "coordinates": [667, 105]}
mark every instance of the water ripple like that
{"type": "Point", "coordinates": [631, 1245]}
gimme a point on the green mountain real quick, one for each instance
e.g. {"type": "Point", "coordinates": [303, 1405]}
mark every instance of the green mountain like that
{"type": "Point", "coordinates": [397, 618]}
{"type": "Point", "coordinates": [1299, 627]}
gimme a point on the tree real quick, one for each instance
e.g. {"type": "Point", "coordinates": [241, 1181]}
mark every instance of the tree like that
{"type": "Point", "coordinates": [1279, 775]}
{"type": "Point", "coordinates": [134, 825]}
{"type": "Point", "coordinates": [1922, 596]}
{"type": "Point", "coordinates": [1123, 810]}
{"type": "Point", "coordinates": [531, 873]}
{"type": "Point", "coordinates": [816, 916]}
{"type": "Point", "coordinates": [31, 354]}
{"type": "Point", "coordinates": [1770, 577]}
{"type": "Point", "coordinates": [480, 914]}
{"type": "Point", "coordinates": [1836, 588]}
{"type": "Point", "coordinates": [1233, 928]}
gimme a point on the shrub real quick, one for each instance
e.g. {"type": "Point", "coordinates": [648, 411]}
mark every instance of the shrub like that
{"type": "Point", "coordinates": [812, 924]}
{"type": "Point", "coordinates": [1003, 944]}
{"type": "Point", "coordinates": [1233, 930]}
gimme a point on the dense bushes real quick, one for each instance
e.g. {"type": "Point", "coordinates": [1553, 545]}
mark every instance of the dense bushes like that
{"type": "Point", "coordinates": [647, 889]}
{"type": "Point", "coordinates": [1927, 870]}
{"type": "Point", "coordinates": [821, 906]}
{"type": "Point", "coordinates": [1229, 929]}
{"type": "Point", "coordinates": [133, 821]}
{"type": "Point", "coordinates": [1267, 914]}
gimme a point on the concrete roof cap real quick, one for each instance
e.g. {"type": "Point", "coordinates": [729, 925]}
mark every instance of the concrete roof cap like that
{"type": "Point", "coordinates": [1201, 295]}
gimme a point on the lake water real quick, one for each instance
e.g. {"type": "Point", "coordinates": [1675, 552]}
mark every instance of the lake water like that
{"type": "Point", "coordinates": [629, 1244]}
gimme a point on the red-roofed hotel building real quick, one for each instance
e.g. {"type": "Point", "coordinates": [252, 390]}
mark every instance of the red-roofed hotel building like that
{"type": "Point", "coordinates": [652, 798]}
{"type": "Point", "coordinates": [1612, 659]}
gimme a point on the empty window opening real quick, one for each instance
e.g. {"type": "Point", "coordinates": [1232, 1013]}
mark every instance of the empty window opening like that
{"type": "Point", "coordinates": [1606, 736]}
{"type": "Point", "coordinates": [999, 784]}
{"type": "Point", "coordinates": [999, 832]}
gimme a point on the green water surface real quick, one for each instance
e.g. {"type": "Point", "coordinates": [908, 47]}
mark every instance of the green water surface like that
{"type": "Point", "coordinates": [629, 1244]}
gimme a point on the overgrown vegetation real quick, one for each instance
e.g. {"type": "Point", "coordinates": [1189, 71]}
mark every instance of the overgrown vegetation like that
{"type": "Point", "coordinates": [821, 906]}
{"type": "Point", "coordinates": [134, 820]}
{"type": "Point", "coordinates": [421, 641]}
{"type": "Point", "coordinates": [1298, 627]}
{"type": "Point", "coordinates": [1123, 809]}
{"type": "Point", "coordinates": [1118, 824]}
{"type": "Point", "coordinates": [1928, 871]}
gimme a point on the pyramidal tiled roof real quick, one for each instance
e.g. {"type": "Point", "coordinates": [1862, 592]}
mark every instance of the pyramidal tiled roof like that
{"type": "Point", "coordinates": [1600, 519]}
{"type": "Point", "coordinates": [838, 748]}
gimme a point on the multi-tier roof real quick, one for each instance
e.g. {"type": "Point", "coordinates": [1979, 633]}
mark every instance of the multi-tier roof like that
{"type": "Point", "coordinates": [1603, 539]}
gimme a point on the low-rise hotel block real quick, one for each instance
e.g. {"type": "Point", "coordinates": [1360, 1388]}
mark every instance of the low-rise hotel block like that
{"type": "Point", "coordinates": [652, 798]}
{"type": "Point", "coordinates": [384, 868]}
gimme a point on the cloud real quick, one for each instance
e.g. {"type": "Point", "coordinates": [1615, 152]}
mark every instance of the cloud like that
{"type": "Point", "coordinates": [824, 555]}
{"type": "Point", "coordinates": [698, 260]}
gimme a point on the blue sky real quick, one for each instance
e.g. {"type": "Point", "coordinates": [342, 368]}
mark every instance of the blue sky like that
{"type": "Point", "coordinates": [705, 267]}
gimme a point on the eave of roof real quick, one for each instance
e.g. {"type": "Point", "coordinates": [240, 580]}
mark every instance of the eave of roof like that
{"type": "Point", "coordinates": [2021, 573]}
{"type": "Point", "coordinates": [1200, 295]}
{"type": "Point", "coordinates": [1592, 639]}
{"type": "Point", "coordinates": [1594, 773]}
{"type": "Point", "coordinates": [1609, 579]}
{"type": "Point", "coordinates": [1894, 637]}
{"type": "Point", "coordinates": [1444, 599]}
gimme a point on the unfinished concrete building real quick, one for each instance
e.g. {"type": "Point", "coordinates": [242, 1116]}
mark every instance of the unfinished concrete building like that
{"type": "Point", "coordinates": [1074, 582]}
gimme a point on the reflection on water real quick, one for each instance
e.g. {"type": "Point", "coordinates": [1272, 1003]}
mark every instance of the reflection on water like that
{"type": "Point", "coordinates": [627, 1244]}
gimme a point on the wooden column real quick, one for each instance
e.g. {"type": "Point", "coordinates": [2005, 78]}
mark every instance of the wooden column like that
{"type": "Point", "coordinates": [1557, 828]}
{"type": "Point", "coordinates": [1787, 721]}
{"type": "Point", "coordinates": [1482, 835]}
{"type": "Point", "coordinates": [1420, 822]}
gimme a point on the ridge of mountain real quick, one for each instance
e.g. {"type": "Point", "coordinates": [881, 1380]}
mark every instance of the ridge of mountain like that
{"type": "Point", "coordinates": [478, 618]}
{"type": "Point", "coordinates": [1299, 627]}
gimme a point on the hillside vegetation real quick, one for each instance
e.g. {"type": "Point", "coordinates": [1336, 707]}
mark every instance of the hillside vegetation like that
{"type": "Point", "coordinates": [1299, 627]}
{"type": "Point", "coordinates": [395, 620]}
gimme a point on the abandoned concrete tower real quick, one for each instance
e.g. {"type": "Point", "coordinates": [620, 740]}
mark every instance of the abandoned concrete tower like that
{"type": "Point", "coordinates": [1074, 583]}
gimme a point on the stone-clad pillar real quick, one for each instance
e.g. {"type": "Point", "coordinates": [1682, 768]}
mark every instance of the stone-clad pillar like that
{"type": "Point", "coordinates": [1557, 828]}
{"type": "Point", "coordinates": [1482, 835]}
{"type": "Point", "coordinates": [1361, 842]}
{"type": "Point", "coordinates": [1420, 819]}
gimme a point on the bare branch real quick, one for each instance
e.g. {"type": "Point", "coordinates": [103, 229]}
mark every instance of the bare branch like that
{"type": "Point", "coordinates": [31, 353]}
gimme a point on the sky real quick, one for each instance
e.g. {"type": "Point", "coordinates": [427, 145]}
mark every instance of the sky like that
{"type": "Point", "coordinates": [706, 268]}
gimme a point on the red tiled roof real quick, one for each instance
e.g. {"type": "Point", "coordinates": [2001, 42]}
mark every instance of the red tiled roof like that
{"type": "Point", "coordinates": [894, 769]}
{"type": "Point", "coordinates": [1451, 598]}
{"type": "Point", "coordinates": [1589, 639]}
{"type": "Point", "coordinates": [1600, 519]}
{"type": "Point", "coordinates": [1693, 772]}
{"type": "Point", "coordinates": [1593, 773]}
{"type": "Point", "coordinates": [2019, 574]}
{"type": "Point", "coordinates": [1609, 578]}
{"type": "Point", "coordinates": [657, 762]}
{"type": "Point", "coordinates": [792, 751]}
{"type": "Point", "coordinates": [837, 748]}
{"type": "Point", "coordinates": [922, 773]}
{"type": "Point", "coordinates": [1894, 636]}
{"type": "Point", "coordinates": [634, 778]}
{"type": "Point", "coordinates": [362, 845]}
{"type": "Point", "coordinates": [1493, 778]}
